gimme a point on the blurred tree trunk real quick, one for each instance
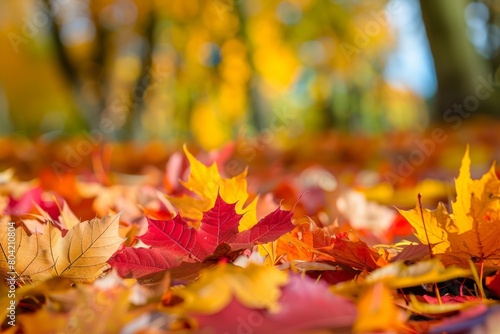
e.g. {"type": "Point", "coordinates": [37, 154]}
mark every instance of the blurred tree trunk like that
{"type": "Point", "coordinates": [458, 66]}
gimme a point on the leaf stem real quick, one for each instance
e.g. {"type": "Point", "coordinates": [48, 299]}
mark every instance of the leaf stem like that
{"type": "Point", "coordinates": [438, 295]}
{"type": "Point", "coordinates": [423, 222]}
{"type": "Point", "coordinates": [436, 288]}
{"type": "Point", "coordinates": [481, 273]}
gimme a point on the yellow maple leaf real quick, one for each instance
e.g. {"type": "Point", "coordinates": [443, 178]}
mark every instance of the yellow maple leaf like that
{"type": "Point", "coordinates": [254, 286]}
{"type": "Point", "coordinates": [206, 182]}
{"type": "Point", "coordinates": [471, 232]}
{"type": "Point", "coordinates": [438, 224]}
{"type": "Point", "coordinates": [474, 197]}
{"type": "Point", "coordinates": [81, 255]}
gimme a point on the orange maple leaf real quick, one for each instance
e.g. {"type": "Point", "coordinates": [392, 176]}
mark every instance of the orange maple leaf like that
{"type": "Point", "coordinates": [310, 243]}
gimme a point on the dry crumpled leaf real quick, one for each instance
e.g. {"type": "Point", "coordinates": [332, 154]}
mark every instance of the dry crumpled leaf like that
{"type": "Point", "coordinates": [206, 183]}
{"type": "Point", "coordinates": [471, 232]}
{"type": "Point", "coordinates": [254, 287]}
{"type": "Point", "coordinates": [80, 255]}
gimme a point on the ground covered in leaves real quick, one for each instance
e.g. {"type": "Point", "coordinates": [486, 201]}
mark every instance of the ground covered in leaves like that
{"type": "Point", "coordinates": [205, 246]}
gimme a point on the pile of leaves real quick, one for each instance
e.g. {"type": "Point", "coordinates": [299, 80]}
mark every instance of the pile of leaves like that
{"type": "Point", "coordinates": [193, 250]}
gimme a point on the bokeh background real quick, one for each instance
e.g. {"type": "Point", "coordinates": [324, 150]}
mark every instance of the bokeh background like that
{"type": "Point", "coordinates": [213, 71]}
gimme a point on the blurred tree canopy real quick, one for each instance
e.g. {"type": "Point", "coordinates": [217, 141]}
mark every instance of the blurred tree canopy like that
{"type": "Point", "coordinates": [213, 70]}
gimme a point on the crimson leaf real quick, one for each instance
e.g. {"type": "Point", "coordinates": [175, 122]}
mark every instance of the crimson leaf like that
{"type": "Point", "coordinates": [174, 241]}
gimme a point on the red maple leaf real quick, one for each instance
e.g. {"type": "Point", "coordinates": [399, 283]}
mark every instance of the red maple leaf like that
{"type": "Point", "coordinates": [174, 241]}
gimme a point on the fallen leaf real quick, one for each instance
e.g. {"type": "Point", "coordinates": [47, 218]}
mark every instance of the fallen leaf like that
{"type": "Point", "coordinates": [438, 224]}
{"type": "Point", "coordinates": [254, 287]}
{"type": "Point", "coordinates": [80, 255]}
{"type": "Point", "coordinates": [308, 242]}
{"type": "Point", "coordinates": [174, 241]}
{"type": "Point", "coordinates": [443, 308]}
{"type": "Point", "coordinates": [493, 283]}
{"type": "Point", "coordinates": [378, 313]}
{"type": "Point", "coordinates": [304, 305]}
{"type": "Point", "coordinates": [43, 322]}
{"type": "Point", "coordinates": [470, 233]}
{"type": "Point", "coordinates": [300, 247]}
{"type": "Point", "coordinates": [206, 184]}
{"type": "Point", "coordinates": [447, 299]}
{"type": "Point", "coordinates": [347, 249]}
{"type": "Point", "coordinates": [399, 275]}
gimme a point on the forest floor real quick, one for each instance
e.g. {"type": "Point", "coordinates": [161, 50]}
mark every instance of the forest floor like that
{"type": "Point", "coordinates": [318, 234]}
